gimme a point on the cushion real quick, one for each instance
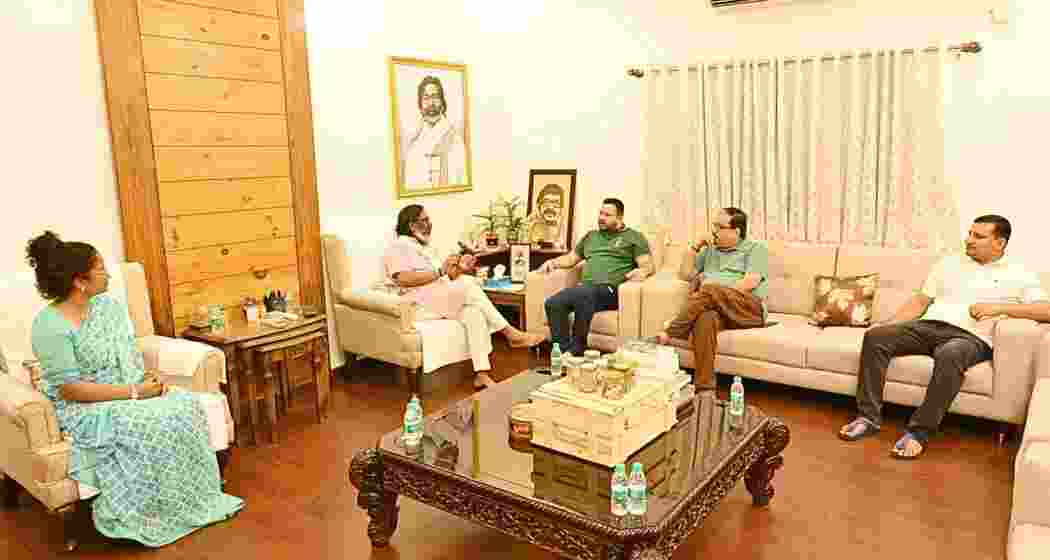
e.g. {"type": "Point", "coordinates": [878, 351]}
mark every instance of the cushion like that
{"type": "Point", "coordinates": [783, 343]}
{"type": "Point", "coordinates": [792, 268]}
{"type": "Point", "coordinates": [901, 273]}
{"type": "Point", "coordinates": [606, 322]}
{"type": "Point", "coordinates": [844, 302]}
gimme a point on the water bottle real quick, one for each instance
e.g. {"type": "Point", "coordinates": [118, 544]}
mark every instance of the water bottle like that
{"type": "Point", "coordinates": [618, 492]}
{"type": "Point", "coordinates": [736, 402]}
{"type": "Point", "coordinates": [637, 493]}
{"type": "Point", "coordinates": [412, 432]}
{"type": "Point", "coordinates": [556, 360]}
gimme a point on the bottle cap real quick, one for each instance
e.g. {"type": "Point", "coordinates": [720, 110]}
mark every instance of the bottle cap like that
{"type": "Point", "coordinates": [556, 346]}
{"type": "Point", "coordinates": [636, 468]}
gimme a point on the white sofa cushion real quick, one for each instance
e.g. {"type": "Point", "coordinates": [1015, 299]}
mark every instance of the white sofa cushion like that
{"type": "Point", "coordinates": [792, 268]}
{"type": "Point", "coordinates": [784, 343]}
{"type": "Point", "coordinates": [838, 349]}
{"type": "Point", "coordinates": [901, 273]}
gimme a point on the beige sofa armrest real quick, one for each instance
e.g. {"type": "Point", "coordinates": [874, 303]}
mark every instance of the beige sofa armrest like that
{"type": "Point", "coordinates": [630, 302]}
{"type": "Point", "coordinates": [539, 287]}
{"type": "Point", "coordinates": [1016, 342]}
{"type": "Point", "coordinates": [379, 335]}
{"type": "Point", "coordinates": [30, 413]}
{"type": "Point", "coordinates": [1042, 355]}
{"type": "Point", "coordinates": [664, 297]}
{"type": "Point", "coordinates": [1031, 493]}
{"type": "Point", "coordinates": [210, 370]}
{"type": "Point", "coordinates": [381, 303]}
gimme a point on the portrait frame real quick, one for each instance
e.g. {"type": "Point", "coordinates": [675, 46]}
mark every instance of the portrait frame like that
{"type": "Point", "coordinates": [443, 157]}
{"type": "Point", "coordinates": [539, 179]}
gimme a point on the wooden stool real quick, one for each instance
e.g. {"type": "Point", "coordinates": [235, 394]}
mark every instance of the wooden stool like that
{"type": "Point", "coordinates": [280, 354]}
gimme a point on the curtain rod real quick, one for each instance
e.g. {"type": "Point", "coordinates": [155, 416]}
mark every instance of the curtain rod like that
{"type": "Point", "coordinates": [971, 47]}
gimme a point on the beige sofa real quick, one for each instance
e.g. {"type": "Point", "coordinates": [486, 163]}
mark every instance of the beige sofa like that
{"type": "Point", "coordinates": [1029, 536]}
{"type": "Point", "coordinates": [793, 352]}
{"type": "Point", "coordinates": [35, 453]}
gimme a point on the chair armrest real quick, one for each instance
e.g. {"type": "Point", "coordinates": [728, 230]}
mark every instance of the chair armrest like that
{"type": "Point", "coordinates": [663, 297]}
{"type": "Point", "coordinates": [1042, 355]}
{"type": "Point", "coordinates": [630, 315]}
{"type": "Point", "coordinates": [1016, 343]}
{"type": "Point", "coordinates": [539, 287]}
{"type": "Point", "coordinates": [208, 363]}
{"type": "Point", "coordinates": [382, 336]}
{"type": "Point", "coordinates": [387, 305]}
{"type": "Point", "coordinates": [29, 413]}
{"type": "Point", "coordinates": [1031, 493]}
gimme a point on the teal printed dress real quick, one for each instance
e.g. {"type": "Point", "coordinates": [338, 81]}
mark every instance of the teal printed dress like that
{"type": "Point", "coordinates": [150, 459]}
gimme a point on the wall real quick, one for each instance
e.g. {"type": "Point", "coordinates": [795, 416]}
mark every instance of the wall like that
{"type": "Point", "coordinates": [548, 90]}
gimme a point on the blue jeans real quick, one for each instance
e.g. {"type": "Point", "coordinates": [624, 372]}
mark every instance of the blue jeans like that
{"type": "Point", "coordinates": [584, 301]}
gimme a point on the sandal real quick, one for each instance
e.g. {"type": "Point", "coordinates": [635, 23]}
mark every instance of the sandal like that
{"type": "Point", "coordinates": [859, 428]}
{"type": "Point", "coordinates": [900, 449]}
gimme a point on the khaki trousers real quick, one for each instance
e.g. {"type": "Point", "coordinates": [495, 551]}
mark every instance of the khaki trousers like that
{"type": "Point", "coordinates": [709, 310]}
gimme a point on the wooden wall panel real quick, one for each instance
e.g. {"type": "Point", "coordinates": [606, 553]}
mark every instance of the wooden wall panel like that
{"type": "Point", "coordinates": [260, 7]}
{"type": "Point", "coordinates": [203, 230]}
{"type": "Point", "coordinates": [301, 143]}
{"type": "Point", "coordinates": [189, 93]}
{"type": "Point", "coordinates": [188, 163]}
{"type": "Point", "coordinates": [215, 262]}
{"type": "Point", "coordinates": [224, 195]}
{"type": "Point", "coordinates": [181, 128]}
{"type": "Point", "coordinates": [176, 56]}
{"type": "Point", "coordinates": [229, 291]}
{"type": "Point", "coordinates": [119, 48]}
{"type": "Point", "coordinates": [183, 21]}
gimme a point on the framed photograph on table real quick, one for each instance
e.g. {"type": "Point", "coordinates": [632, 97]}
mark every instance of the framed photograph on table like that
{"type": "Point", "coordinates": [552, 202]}
{"type": "Point", "coordinates": [431, 127]}
{"type": "Point", "coordinates": [519, 262]}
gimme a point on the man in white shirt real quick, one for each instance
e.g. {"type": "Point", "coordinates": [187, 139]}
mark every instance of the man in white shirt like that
{"type": "Point", "coordinates": [951, 320]}
{"type": "Point", "coordinates": [433, 153]}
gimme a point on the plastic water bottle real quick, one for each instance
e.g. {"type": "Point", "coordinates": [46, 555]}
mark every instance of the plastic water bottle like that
{"type": "Point", "coordinates": [556, 360]}
{"type": "Point", "coordinates": [736, 402]}
{"type": "Point", "coordinates": [637, 493]}
{"type": "Point", "coordinates": [618, 492]}
{"type": "Point", "coordinates": [412, 432]}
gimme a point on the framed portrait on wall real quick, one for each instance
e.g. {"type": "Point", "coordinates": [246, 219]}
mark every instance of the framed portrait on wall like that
{"type": "Point", "coordinates": [430, 114]}
{"type": "Point", "coordinates": [552, 202]}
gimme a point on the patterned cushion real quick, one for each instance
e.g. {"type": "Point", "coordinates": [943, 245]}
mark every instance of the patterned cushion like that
{"type": "Point", "coordinates": [844, 302]}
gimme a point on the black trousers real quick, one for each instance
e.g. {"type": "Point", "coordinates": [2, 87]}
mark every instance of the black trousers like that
{"type": "Point", "coordinates": [954, 350]}
{"type": "Point", "coordinates": [584, 301]}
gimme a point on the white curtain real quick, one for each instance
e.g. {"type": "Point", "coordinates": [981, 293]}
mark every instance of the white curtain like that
{"type": "Point", "coordinates": [845, 149]}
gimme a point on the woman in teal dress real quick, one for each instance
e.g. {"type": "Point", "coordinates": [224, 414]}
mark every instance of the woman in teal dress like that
{"type": "Point", "coordinates": [144, 446]}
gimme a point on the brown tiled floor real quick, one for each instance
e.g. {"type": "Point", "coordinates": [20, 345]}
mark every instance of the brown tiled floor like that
{"type": "Point", "coordinates": [833, 499]}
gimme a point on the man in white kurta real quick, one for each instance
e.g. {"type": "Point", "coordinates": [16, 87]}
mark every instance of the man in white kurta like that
{"type": "Point", "coordinates": [433, 153]}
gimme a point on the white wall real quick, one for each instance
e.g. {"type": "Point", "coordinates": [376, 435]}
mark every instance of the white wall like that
{"type": "Point", "coordinates": [56, 152]}
{"type": "Point", "coordinates": [548, 89]}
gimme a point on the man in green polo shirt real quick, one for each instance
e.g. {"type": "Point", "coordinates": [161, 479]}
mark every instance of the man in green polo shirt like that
{"type": "Point", "coordinates": [614, 253]}
{"type": "Point", "coordinates": [727, 290]}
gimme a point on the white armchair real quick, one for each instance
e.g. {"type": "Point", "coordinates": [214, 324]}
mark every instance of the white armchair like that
{"type": "Point", "coordinates": [34, 453]}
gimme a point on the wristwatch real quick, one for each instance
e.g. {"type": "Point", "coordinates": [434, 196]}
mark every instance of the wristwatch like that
{"type": "Point", "coordinates": [134, 392]}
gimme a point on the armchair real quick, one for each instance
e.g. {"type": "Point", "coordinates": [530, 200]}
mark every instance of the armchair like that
{"type": "Point", "coordinates": [35, 453]}
{"type": "Point", "coordinates": [1029, 533]}
{"type": "Point", "coordinates": [383, 326]}
{"type": "Point", "coordinates": [607, 327]}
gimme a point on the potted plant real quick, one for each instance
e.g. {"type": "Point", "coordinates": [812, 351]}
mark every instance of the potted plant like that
{"type": "Point", "coordinates": [489, 223]}
{"type": "Point", "coordinates": [513, 217]}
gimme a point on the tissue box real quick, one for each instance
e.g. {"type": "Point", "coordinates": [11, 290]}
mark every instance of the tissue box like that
{"type": "Point", "coordinates": [599, 430]}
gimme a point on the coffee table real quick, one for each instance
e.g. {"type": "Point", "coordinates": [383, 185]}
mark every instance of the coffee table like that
{"type": "Point", "coordinates": [467, 467]}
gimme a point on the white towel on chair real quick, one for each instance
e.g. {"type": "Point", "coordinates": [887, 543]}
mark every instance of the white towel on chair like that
{"type": "Point", "coordinates": [181, 357]}
{"type": "Point", "coordinates": [444, 342]}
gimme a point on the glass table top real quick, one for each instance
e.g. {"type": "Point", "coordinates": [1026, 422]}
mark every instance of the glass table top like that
{"type": "Point", "coordinates": [472, 439]}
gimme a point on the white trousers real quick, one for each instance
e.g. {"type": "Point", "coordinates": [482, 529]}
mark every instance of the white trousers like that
{"type": "Point", "coordinates": [481, 319]}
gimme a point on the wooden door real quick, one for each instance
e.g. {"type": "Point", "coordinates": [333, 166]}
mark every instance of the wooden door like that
{"type": "Point", "coordinates": [210, 115]}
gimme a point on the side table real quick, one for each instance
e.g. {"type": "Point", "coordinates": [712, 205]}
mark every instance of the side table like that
{"type": "Point", "coordinates": [238, 341]}
{"type": "Point", "coordinates": [509, 297]}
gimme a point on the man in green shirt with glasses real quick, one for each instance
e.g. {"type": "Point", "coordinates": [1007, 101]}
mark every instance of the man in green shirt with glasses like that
{"type": "Point", "coordinates": [614, 253]}
{"type": "Point", "coordinates": [727, 290]}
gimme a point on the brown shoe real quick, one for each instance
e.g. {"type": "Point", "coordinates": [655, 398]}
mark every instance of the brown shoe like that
{"type": "Point", "coordinates": [482, 380]}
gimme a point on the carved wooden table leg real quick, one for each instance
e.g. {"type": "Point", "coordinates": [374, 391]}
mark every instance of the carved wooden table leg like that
{"type": "Point", "coordinates": [760, 475]}
{"type": "Point", "coordinates": [70, 527]}
{"type": "Point", "coordinates": [644, 552]}
{"type": "Point", "coordinates": [366, 474]}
